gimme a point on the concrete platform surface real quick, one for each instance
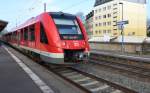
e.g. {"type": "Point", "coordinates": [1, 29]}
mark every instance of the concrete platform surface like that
{"type": "Point", "coordinates": [25, 73]}
{"type": "Point", "coordinates": [13, 78]}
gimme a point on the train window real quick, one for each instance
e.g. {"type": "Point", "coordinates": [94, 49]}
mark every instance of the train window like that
{"type": "Point", "coordinates": [64, 21]}
{"type": "Point", "coordinates": [18, 36]}
{"type": "Point", "coordinates": [67, 26]}
{"type": "Point", "coordinates": [26, 33]}
{"type": "Point", "coordinates": [22, 36]}
{"type": "Point", "coordinates": [43, 37]}
{"type": "Point", "coordinates": [32, 33]}
{"type": "Point", "coordinates": [15, 36]}
{"type": "Point", "coordinates": [68, 29]}
{"type": "Point", "coordinates": [11, 36]}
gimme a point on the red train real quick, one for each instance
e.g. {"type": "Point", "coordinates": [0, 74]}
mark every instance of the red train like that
{"type": "Point", "coordinates": [54, 37]}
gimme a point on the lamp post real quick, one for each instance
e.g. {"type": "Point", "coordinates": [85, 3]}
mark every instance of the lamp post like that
{"type": "Point", "coordinates": [122, 31]}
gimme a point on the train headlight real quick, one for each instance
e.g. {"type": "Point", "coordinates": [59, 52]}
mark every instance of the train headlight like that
{"type": "Point", "coordinates": [81, 56]}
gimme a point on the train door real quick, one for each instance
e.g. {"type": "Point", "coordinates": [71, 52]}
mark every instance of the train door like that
{"type": "Point", "coordinates": [41, 37]}
{"type": "Point", "coordinates": [31, 34]}
{"type": "Point", "coordinates": [44, 46]}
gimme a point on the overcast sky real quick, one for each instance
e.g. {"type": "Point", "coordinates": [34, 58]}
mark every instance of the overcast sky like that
{"type": "Point", "coordinates": [17, 11]}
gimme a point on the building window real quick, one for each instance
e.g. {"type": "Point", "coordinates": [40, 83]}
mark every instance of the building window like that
{"type": "Point", "coordinates": [99, 10]}
{"type": "Point", "coordinates": [43, 37]}
{"type": "Point", "coordinates": [99, 17]}
{"type": "Point", "coordinates": [133, 33]}
{"type": "Point", "coordinates": [95, 11]}
{"type": "Point", "coordinates": [96, 25]}
{"type": "Point", "coordinates": [108, 23]}
{"type": "Point", "coordinates": [108, 15]}
{"type": "Point", "coordinates": [104, 9]}
{"type": "Point", "coordinates": [115, 22]}
{"type": "Point", "coordinates": [109, 7]}
{"type": "Point", "coordinates": [100, 24]}
{"type": "Point", "coordinates": [108, 31]}
{"type": "Point", "coordinates": [96, 31]}
{"type": "Point", "coordinates": [115, 4]}
{"type": "Point", "coordinates": [104, 16]}
{"type": "Point", "coordinates": [114, 8]}
{"type": "Point", "coordinates": [99, 31]}
{"type": "Point", "coordinates": [115, 17]}
{"type": "Point", "coordinates": [104, 23]}
{"type": "Point", "coordinates": [96, 18]}
{"type": "Point", "coordinates": [104, 31]}
{"type": "Point", "coordinates": [114, 12]}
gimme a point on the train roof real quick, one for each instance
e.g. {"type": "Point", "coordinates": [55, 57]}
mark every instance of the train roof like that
{"type": "Point", "coordinates": [37, 18]}
{"type": "Point", "coordinates": [58, 14]}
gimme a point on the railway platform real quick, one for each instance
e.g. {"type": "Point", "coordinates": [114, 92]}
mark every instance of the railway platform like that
{"type": "Point", "coordinates": [20, 74]}
{"type": "Point", "coordinates": [142, 58]}
{"type": "Point", "coordinates": [13, 78]}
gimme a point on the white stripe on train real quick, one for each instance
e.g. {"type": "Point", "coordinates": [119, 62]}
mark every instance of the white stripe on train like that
{"type": "Point", "coordinates": [48, 54]}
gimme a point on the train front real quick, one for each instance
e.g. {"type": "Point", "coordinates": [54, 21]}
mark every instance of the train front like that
{"type": "Point", "coordinates": [74, 39]}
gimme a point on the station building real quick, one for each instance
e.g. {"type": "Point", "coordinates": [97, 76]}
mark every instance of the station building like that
{"type": "Point", "coordinates": [3, 24]}
{"type": "Point", "coordinates": [108, 12]}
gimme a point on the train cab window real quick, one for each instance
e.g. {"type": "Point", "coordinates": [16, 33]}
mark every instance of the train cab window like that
{"type": "Point", "coordinates": [25, 33]}
{"type": "Point", "coordinates": [43, 37]}
{"type": "Point", "coordinates": [68, 29]}
{"type": "Point", "coordinates": [32, 33]}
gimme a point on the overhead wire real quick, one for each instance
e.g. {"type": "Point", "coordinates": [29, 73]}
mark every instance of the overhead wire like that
{"type": "Point", "coordinates": [32, 7]}
{"type": "Point", "coordinates": [75, 5]}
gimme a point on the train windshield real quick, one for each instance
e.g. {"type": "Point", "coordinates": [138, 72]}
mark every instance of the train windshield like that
{"type": "Point", "coordinates": [68, 29]}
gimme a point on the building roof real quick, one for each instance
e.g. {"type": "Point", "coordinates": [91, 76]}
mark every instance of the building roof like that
{"type": "Point", "coordinates": [100, 2]}
{"type": "Point", "coordinates": [3, 24]}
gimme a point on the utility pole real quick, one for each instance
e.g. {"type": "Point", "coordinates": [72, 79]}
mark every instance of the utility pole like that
{"type": "Point", "coordinates": [44, 7]}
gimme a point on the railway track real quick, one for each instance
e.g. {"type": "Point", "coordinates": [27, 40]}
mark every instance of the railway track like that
{"type": "Point", "coordinates": [122, 59]}
{"type": "Point", "coordinates": [88, 82]}
{"type": "Point", "coordinates": [123, 67]}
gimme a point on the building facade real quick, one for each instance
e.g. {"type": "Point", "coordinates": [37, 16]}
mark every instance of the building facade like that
{"type": "Point", "coordinates": [89, 23]}
{"type": "Point", "coordinates": [108, 12]}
